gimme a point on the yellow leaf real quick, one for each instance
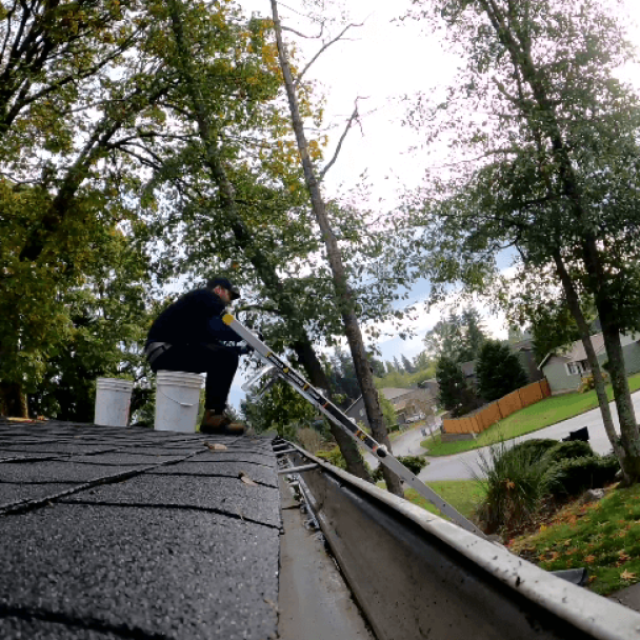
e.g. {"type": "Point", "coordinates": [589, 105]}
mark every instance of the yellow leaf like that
{"type": "Point", "coordinates": [246, 479]}
{"type": "Point", "coordinates": [215, 447]}
{"type": "Point", "coordinates": [627, 575]}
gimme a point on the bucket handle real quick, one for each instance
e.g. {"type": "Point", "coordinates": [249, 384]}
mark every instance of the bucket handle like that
{"type": "Point", "coordinates": [182, 404]}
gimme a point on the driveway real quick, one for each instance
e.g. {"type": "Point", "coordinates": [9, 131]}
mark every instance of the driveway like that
{"type": "Point", "coordinates": [463, 466]}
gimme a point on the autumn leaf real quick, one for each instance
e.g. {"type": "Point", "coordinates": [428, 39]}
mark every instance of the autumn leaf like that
{"type": "Point", "coordinates": [627, 575]}
{"type": "Point", "coordinates": [246, 479]}
{"type": "Point", "coordinates": [590, 559]}
{"type": "Point", "coordinates": [215, 446]}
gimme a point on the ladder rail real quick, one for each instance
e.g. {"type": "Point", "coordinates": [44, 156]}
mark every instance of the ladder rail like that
{"type": "Point", "coordinates": [333, 413]}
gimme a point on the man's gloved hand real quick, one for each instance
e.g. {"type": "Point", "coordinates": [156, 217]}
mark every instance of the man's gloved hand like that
{"type": "Point", "coordinates": [243, 349]}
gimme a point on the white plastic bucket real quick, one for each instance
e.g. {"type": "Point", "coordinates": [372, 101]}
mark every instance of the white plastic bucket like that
{"type": "Point", "coordinates": [113, 400]}
{"type": "Point", "coordinates": [177, 401]}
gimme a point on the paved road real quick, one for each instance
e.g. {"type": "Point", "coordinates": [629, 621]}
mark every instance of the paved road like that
{"type": "Point", "coordinates": [465, 465]}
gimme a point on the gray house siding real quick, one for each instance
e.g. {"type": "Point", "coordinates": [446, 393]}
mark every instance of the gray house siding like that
{"type": "Point", "coordinates": [631, 357]}
{"type": "Point", "coordinates": [560, 381]}
{"type": "Point", "coordinates": [556, 374]}
{"type": "Point", "coordinates": [357, 412]}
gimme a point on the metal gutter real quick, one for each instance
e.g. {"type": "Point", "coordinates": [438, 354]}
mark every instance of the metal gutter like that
{"type": "Point", "coordinates": [416, 575]}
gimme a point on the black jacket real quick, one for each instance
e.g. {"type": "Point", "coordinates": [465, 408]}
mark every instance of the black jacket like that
{"type": "Point", "coordinates": [195, 318]}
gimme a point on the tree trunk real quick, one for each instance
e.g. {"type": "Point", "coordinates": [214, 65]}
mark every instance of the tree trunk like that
{"type": "Point", "coordinates": [629, 433]}
{"type": "Point", "coordinates": [601, 393]}
{"type": "Point", "coordinates": [591, 259]}
{"type": "Point", "coordinates": [344, 295]}
{"type": "Point", "coordinates": [13, 402]}
{"type": "Point", "coordinates": [243, 239]}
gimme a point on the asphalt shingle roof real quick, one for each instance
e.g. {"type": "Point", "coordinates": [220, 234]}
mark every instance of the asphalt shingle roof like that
{"type": "Point", "coordinates": [129, 533]}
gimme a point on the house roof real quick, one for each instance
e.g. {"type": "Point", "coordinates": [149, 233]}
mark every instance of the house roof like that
{"type": "Point", "coordinates": [391, 393]}
{"type": "Point", "coordinates": [575, 352]}
{"type": "Point", "coordinates": [112, 530]}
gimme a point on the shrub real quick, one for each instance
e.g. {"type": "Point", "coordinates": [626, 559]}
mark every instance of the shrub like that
{"type": "Point", "coordinates": [516, 481]}
{"type": "Point", "coordinates": [309, 439]}
{"type": "Point", "coordinates": [568, 450]}
{"type": "Point", "coordinates": [415, 464]}
{"type": "Point", "coordinates": [572, 476]}
{"type": "Point", "coordinates": [333, 456]}
{"type": "Point", "coordinates": [537, 447]}
{"type": "Point", "coordinates": [587, 383]}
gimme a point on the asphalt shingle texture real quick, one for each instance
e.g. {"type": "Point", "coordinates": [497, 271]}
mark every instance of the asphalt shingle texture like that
{"type": "Point", "coordinates": [131, 533]}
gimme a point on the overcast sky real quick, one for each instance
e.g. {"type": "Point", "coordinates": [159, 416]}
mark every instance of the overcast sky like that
{"type": "Point", "coordinates": [382, 61]}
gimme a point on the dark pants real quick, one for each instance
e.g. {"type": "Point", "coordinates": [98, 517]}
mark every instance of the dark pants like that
{"type": "Point", "coordinates": [219, 363]}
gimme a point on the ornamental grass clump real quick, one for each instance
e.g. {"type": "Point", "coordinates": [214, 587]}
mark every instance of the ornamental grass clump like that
{"type": "Point", "coordinates": [516, 481]}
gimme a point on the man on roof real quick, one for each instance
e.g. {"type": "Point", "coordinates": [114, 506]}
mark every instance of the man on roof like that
{"type": "Point", "coordinates": [189, 335]}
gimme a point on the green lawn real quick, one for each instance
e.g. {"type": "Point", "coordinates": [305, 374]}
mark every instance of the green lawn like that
{"type": "Point", "coordinates": [603, 536]}
{"type": "Point", "coordinates": [537, 416]}
{"type": "Point", "coordinates": [464, 495]}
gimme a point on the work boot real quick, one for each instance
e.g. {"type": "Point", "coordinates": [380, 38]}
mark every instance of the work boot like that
{"type": "Point", "coordinates": [219, 423]}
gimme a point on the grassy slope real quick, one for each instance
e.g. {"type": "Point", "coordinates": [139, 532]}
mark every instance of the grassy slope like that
{"type": "Point", "coordinates": [603, 536]}
{"type": "Point", "coordinates": [464, 495]}
{"type": "Point", "coordinates": [537, 416]}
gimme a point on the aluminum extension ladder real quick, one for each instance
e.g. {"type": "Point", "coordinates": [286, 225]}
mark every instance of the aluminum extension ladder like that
{"type": "Point", "coordinates": [278, 368]}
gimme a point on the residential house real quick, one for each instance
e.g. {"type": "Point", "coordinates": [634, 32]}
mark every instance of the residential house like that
{"type": "Point", "coordinates": [410, 404]}
{"type": "Point", "coordinates": [565, 368]}
{"type": "Point", "coordinates": [524, 350]}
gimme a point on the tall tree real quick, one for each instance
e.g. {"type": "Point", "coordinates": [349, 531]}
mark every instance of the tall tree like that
{"type": "Point", "coordinates": [558, 167]}
{"type": "Point", "coordinates": [407, 364]}
{"type": "Point", "coordinates": [499, 371]}
{"type": "Point", "coordinates": [456, 396]}
{"type": "Point", "coordinates": [342, 291]}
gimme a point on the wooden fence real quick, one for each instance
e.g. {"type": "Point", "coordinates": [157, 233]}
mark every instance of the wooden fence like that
{"type": "Point", "coordinates": [500, 409]}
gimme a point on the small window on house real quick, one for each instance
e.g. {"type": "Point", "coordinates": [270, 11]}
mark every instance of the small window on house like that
{"type": "Point", "coordinates": [575, 368]}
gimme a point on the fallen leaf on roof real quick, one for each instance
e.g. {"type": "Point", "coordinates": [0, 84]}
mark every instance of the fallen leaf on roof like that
{"type": "Point", "coordinates": [215, 446]}
{"type": "Point", "coordinates": [246, 479]}
{"type": "Point", "coordinates": [627, 575]}
{"type": "Point", "coordinates": [271, 603]}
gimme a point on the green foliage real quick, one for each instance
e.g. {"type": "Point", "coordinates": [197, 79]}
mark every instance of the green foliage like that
{"type": "Point", "coordinates": [574, 475]}
{"type": "Point", "coordinates": [533, 172]}
{"type": "Point", "coordinates": [388, 413]}
{"type": "Point", "coordinates": [281, 408]}
{"type": "Point", "coordinates": [333, 456]}
{"type": "Point", "coordinates": [516, 481]}
{"type": "Point", "coordinates": [397, 380]}
{"type": "Point", "coordinates": [520, 478]}
{"type": "Point", "coordinates": [554, 327]}
{"type": "Point", "coordinates": [588, 383]}
{"type": "Point", "coordinates": [568, 450]}
{"type": "Point", "coordinates": [455, 394]}
{"type": "Point", "coordinates": [458, 338]}
{"type": "Point", "coordinates": [536, 448]}
{"type": "Point", "coordinates": [415, 464]}
{"type": "Point", "coordinates": [499, 371]}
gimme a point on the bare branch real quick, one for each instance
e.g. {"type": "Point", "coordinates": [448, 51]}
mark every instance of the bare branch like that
{"type": "Point", "coordinates": [354, 116]}
{"type": "Point", "coordinates": [323, 49]}
{"type": "Point", "coordinates": [302, 35]}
